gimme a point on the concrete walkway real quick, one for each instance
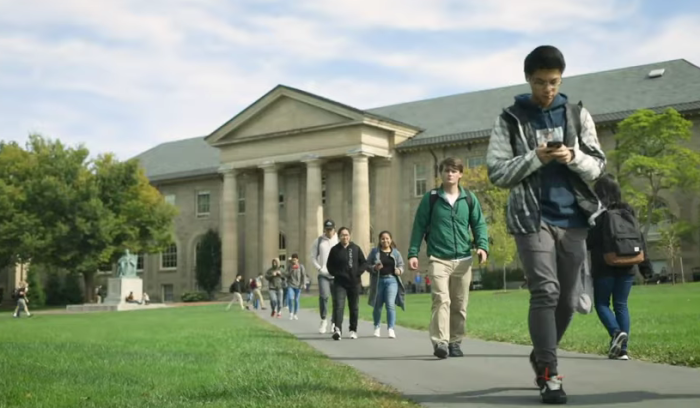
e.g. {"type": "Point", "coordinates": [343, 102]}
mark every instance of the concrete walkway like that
{"type": "Point", "coordinates": [494, 374]}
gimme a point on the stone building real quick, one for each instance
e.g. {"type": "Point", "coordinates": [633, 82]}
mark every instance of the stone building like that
{"type": "Point", "coordinates": [267, 178]}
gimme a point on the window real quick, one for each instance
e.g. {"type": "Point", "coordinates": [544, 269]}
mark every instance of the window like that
{"type": "Point", "coordinates": [420, 175]}
{"type": "Point", "coordinates": [323, 189]}
{"type": "Point", "coordinates": [168, 258]}
{"type": "Point", "coordinates": [168, 293]}
{"type": "Point", "coordinates": [170, 198]}
{"type": "Point", "coordinates": [139, 262]}
{"type": "Point", "coordinates": [476, 162]}
{"type": "Point", "coordinates": [282, 255]}
{"type": "Point", "coordinates": [241, 199]}
{"type": "Point", "coordinates": [203, 203]}
{"type": "Point", "coordinates": [281, 196]}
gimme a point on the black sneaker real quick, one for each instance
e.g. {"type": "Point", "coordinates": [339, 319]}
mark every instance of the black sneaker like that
{"type": "Point", "coordinates": [619, 338]}
{"type": "Point", "coordinates": [551, 388]}
{"type": "Point", "coordinates": [623, 355]}
{"type": "Point", "coordinates": [336, 334]}
{"type": "Point", "coordinates": [441, 350]}
{"type": "Point", "coordinates": [455, 350]}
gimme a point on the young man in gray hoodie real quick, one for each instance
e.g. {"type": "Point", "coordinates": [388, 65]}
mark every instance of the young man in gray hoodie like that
{"type": "Point", "coordinates": [320, 249]}
{"type": "Point", "coordinates": [545, 150]}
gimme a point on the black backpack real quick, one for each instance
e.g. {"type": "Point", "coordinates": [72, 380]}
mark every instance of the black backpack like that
{"type": "Point", "coordinates": [623, 243]}
{"type": "Point", "coordinates": [433, 199]}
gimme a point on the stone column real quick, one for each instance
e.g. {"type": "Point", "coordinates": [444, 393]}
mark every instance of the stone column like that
{"type": "Point", "coordinates": [383, 210]}
{"type": "Point", "coordinates": [229, 230]}
{"type": "Point", "coordinates": [360, 203]}
{"type": "Point", "coordinates": [271, 214]}
{"type": "Point", "coordinates": [293, 207]}
{"type": "Point", "coordinates": [253, 264]}
{"type": "Point", "coordinates": [314, 212]}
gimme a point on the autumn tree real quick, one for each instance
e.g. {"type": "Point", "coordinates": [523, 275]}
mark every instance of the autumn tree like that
{"type": "Point", "coordinates": [652, 159]}
{"type": "Point", "coordinates": [494, 202]}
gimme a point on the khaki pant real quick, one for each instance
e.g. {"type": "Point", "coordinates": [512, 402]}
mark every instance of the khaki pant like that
{"type": "Point", "coordinates": [450, 282]}
{"type": "Point", "coordinates": [257, 294]}
{"type": "Point", "coordinates": [237, 298]}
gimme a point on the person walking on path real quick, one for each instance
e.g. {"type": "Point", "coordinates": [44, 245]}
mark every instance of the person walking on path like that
{"type": "Point", "coordinates": [443, 219]}
{"type": "Point", "coordinates": [236, 289]}
{"type": "Point", "coordinates": [296, 276]}
{"type": "Point", "coordinates": [320, 249]}
{"type": "Point", "coordinates": [385, 264]}
{"type": "Point", "coordinates": [346, 263]}
{"type": "Point", "coordinates": [22, 300]}
{"type": "Point", "coordinates": [544, 150]}
{"type": "Point", "coordinates": [274, 280]}
{"type": "Point", "coordinates": [615, 281]}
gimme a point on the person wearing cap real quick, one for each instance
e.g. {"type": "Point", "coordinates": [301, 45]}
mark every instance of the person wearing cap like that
{"type": "Point", "coordinates": [320, 249]}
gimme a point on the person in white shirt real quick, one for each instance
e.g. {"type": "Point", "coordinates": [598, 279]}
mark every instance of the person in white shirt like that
{"type": "Point", "coordinates": [320, 249]}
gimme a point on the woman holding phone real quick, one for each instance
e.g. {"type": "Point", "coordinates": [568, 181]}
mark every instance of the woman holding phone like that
{"type": "Point", "coordinates": [385, 264]}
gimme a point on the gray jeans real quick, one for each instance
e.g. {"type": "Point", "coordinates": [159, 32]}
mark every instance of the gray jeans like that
{"type": "Point", "coordinates": [276, 298]}
{"type": "Point", "coordinates": [324, 292]}
{"type": "Point", "coordinates": [552, 258]}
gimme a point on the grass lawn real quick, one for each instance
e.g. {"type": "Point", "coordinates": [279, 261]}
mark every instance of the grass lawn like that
{"type": "Point", "coordinates": [665, 321]}
{"type": "Point", "coordinates": [179, 357]}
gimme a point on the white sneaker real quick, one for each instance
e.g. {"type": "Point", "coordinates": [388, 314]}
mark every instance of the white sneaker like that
{"type": "Point", "coordinates": [377, 332]}
{"type": "Point", "coordinates": [296, 316]}
{"type": "Point", "coordinates": [324, 326]}
{"type": "Point", "coordinates": [392, 334]}
{"type": "Point", "coordinates": [353, 335]}
{"type": "Point", "coordinates": [332, 326]}
{"type": "Point", "coordinates": [291, 316]}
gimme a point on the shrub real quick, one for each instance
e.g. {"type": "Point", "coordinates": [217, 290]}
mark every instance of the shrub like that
{"type": "Point", "coordinates": [36, 294]}
{"type": "Point", "coordinates": [54, 290]}
{"type": "Point", "coordinates": [72, 292]}
{"type": "Point", "coordinates": [194, 297]}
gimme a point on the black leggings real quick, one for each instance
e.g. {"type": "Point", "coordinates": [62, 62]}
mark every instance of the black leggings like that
{"type": "Point", "coordinates": [341, 291]}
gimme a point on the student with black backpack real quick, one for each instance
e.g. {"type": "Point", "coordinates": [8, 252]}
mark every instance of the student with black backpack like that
{"type": "Point", "coordinates": [618, 251]}
{"type": "Point", "coordinates": [443, 219]}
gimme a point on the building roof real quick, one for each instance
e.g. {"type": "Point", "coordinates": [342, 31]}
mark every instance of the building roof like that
{"type": "Point", "coordinates": [609, 96]}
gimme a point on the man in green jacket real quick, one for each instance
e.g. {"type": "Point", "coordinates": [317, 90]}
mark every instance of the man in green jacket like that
{"type": "Point", "coordinates": [443, 219]}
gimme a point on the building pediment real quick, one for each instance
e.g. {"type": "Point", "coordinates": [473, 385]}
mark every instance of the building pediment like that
{"type": "Point", "coordinates": [282, 111]}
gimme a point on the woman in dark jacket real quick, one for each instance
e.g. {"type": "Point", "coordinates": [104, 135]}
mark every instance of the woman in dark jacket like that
{"type": "Point", "coordinates": [386, 266]}
{"type": "Point", "coordinates": [346, 263]}
{"type": "Point", "coordinates": [613, 281]}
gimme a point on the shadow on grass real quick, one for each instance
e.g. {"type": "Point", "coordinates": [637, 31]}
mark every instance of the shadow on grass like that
{"type": "Point", "coordinates": [487, 397]}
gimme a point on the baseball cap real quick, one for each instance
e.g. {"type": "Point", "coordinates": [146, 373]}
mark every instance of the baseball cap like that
{"type": "Point", "coordinates": [329, 224]}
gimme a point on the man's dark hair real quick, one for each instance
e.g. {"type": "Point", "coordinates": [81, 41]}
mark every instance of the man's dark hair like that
{"type": "Point", "coordinates": [451, 163]}
{"type": "Point", "coordinates": [295, 256]}
{"type": "Point", "coordinates": [544, 57]}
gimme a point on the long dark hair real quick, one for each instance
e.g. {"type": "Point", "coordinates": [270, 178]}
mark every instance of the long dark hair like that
{"type": "Point", "coordinates": [379, 240]}
{"type": "Point", "coordinates": [341, 229]}
{"type": "Point", "coordinates": [609, 193]}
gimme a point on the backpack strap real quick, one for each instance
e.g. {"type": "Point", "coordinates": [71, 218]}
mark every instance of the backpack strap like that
{"type": "Point", "coordinates": [433, 199]}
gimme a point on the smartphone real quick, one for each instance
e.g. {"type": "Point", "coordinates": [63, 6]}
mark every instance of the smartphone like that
{"type": "Point", "coordinates": [554, 145]}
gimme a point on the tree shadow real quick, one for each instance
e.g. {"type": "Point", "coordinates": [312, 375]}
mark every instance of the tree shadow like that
{"type": "Point", "coordinates": [487, 397]}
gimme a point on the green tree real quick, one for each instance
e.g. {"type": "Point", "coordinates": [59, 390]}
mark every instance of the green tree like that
{"type": "Point", "coordinates": [672, 236]}
{"type": "Point", "coordinates": [36, 294]}
{"type": "Point", "coordinates": [54, 289]}
{"type": "Point", "coordinates": [652, 159]}
{"type": "Point", "coordinates": [208, 267]}
{"type": "Point", "coordinates": [77, 214]}
{"type": "Point", "coordinates": [72, 292]}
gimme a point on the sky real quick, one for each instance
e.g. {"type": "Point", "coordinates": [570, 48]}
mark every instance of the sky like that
{"type": "Point", "coordinates": [123, 76]}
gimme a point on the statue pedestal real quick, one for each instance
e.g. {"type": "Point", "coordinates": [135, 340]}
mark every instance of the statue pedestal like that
{"type": "Point", "coordinates": [119, 289]}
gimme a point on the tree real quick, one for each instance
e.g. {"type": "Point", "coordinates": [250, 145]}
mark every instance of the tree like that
{"type": "Point", "coordinates": [208, 267]}
{"type": "Point", "coordinates": [494, 202]}
{"type": "Point", "coordinates": [72, 292]}
{"type": "Point", "coordinates": [670, 243]}
{"type": "Point", "coordinates": [54, 289]}
{"type": "Point", "coordinates": [77, 214]}
{"type": "Point", "coordinates": [652, 159]}
{"type": "Point", "coordinates": [36, 294]}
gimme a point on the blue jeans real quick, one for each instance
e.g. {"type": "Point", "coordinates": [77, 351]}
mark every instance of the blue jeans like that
{"type": "Point", "coordinates": [293, 298]}
{"type": "Point", "coordinates": [387, 289]}
{"type": "Point", "coordinates": [619, 288]}
{"type": "Point", "coordinates": [276, 297]}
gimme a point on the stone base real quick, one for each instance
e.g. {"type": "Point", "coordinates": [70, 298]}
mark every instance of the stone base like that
{"type": "Point", "coordinates": [122, 307]}
{"type": "Point", "coordinates": [119, 289]}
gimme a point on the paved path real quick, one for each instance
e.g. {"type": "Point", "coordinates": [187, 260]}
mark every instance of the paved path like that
{"type": "Point", "coordinates": [495, 374]}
